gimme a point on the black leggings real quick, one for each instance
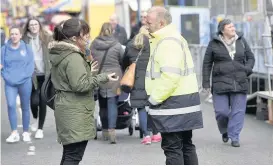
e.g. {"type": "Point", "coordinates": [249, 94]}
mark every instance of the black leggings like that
{"type": "Point", "coordinates": [73, 153]}
{"type": "Point", "coordinates": [37, 105]}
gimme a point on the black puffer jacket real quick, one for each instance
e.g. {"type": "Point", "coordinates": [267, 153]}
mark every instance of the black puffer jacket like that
{"type": "Point", "coordinates": [227, 75]}
{"type": "Point", "coordinates": [138, 93]}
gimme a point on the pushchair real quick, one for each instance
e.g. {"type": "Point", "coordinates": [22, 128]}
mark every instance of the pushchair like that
{"type": "Point", "coordinates": [125, 115]}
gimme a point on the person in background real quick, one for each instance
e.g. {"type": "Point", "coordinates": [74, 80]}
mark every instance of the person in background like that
{"type": "Point", "coordinates": [137, 27]}
{"type": "Point", "coordinates": [140, 46]}
{"type": "Point", "coordinates": [38, 39]}
{"type": "Point", "coordinates": [106, 45]}
{"type": "Point", "coordinates": [231, 61]}
{"type": "Point", "coordinates": [74, 83]}
{"type": "Point", "coordinates": [119, 31]}
{"type": "Point", "coordinates": [17, 67]}
{"type": "Point", "coordinates": [171, 83]}
{"type": "Point", "coordinates": [3, 37]}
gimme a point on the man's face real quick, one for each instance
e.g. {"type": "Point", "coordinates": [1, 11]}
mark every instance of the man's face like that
{"type": "Point", "coordinates": [152, 23]}
{"type": "Point", "coordinates": [143, 18]}
{"type": "Point", "coordinates": [113, 21]}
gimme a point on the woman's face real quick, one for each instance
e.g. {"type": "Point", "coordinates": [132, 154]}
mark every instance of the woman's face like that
{"type": "Point", "coordinates": [83, 41]}
{"type": "Point", "coordinates": [15, 35]}
{"type": "Point", "coordinates": [229, 30]}
{"type": "Point", "coordinates": [34, 26]}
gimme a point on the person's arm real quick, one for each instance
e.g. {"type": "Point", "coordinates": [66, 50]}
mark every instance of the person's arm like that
{"type": "Point", "coordinates": [170, 61]}
{"type": "Point", "coordinates": [78, 77]}
{"type": "Point", "coordinates": [31, 63]}
{"type": "Point", "coordinates": [2, 57]}
{"type": "Point", "coordinates": [250, 59]}
{"type": "Point", "coordinates": [124, 36]}
{"type": "Point", "coordinates": [207, 66]}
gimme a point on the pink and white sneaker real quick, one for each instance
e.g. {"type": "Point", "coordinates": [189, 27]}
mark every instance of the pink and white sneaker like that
{"type": "Point", "coordinates": [146, 140]}
{"type": "Point", "coordinates": [156, 138]}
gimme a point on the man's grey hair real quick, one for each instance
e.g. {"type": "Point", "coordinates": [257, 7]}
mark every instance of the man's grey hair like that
{"type": "Point", "coordinates": [162, 14]}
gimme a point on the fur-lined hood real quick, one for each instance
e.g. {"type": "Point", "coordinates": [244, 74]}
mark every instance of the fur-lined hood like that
{"type": "Point", "coordinates": [60, 50]}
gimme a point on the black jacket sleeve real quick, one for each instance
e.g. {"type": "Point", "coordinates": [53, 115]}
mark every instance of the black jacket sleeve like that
{"type": "Point", "coordinates": [130, 55]}
{"type": "Point", "coordinates": [207, 66]}
{"type": "Point", "coordinates": [250, 59]}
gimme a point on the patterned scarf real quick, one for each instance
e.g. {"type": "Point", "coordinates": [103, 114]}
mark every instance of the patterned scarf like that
{"type": "Point", "coordinates": [230, 44]}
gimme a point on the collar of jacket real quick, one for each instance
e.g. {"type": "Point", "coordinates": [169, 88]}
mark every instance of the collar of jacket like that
{"type": "Point", "coordinates": [165, 31]}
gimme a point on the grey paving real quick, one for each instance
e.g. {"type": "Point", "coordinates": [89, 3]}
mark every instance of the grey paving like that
{"type": "Point", "coordinates": [256, 145]}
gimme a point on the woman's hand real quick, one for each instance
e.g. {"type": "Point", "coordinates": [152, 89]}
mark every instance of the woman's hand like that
{"type": "Point", "coordinates": [94, 66]}
{"type": "Point", "coordinates": [113, 77]}
{"type": "Point", "coordinates": [1, 66]}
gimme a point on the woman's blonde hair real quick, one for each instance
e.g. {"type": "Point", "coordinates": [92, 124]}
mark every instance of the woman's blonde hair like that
{"type": "Point", "coordinates": [106, 29]}
{"type": "Point", "coordinates": [139, 39]}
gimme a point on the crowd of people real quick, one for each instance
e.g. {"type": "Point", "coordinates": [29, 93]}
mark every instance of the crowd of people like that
{"type": "Point", "coordinates": [165, 91]}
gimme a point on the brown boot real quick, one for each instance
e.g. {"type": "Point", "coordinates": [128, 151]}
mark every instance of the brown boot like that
{"type": "Point", "coordinates": [112, 136]}
{"type": "Point", "coordinates": [105, 135]}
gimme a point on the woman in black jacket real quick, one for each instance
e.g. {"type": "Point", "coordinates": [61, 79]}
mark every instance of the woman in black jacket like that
{"type": "Point", "coordinates": [140, 44]}
{"type": "Point", "coordinates": [231, 61]}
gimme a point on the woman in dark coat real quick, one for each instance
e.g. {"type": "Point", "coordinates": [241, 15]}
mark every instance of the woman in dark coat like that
{"type": "Point", "coordinates": [231, 61]}
{"type": "Point", "coordinates": [105, 43]}
{"type": "Point", "coordinates": [140, 45]}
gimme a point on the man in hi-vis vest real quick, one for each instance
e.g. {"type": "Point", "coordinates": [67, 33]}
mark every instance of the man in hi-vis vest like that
{"type": "Point", "coordinates": [171, 83]}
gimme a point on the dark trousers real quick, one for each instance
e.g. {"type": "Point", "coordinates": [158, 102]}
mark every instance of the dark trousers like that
{"type": "Point", "coordinates": [38, 107]}
{"type": "Point", "coordinates": [230, 113]}
{"type": "Point", "coordinates": [178, 148]}
{"type": "Point", "coordinates": [108, 112]}
{"type": "Point", "coordinates": [73, 153]}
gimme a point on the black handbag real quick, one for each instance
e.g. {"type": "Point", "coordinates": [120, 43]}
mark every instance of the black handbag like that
{"type": "Point", "coordinates": [48, 92]}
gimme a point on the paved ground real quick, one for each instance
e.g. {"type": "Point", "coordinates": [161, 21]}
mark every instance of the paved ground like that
{"type": "Point", "coordinates": [256, 146]}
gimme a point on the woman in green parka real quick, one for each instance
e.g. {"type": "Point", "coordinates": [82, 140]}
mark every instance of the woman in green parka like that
{"type": "Point", "coordinates": [72, 78]}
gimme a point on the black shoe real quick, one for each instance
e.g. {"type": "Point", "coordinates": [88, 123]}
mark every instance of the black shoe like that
{"type": "Point", "coordinates": [235, 144]}
{"type": "Point", "coordinates": [225, 137]}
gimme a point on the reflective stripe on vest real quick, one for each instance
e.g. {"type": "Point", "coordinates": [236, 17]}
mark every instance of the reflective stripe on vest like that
{"type": "Point", "coordinates": [154, 74]}
{"type": "Point", "coordinates": [177, 111]}
{"type": "Point", "coordinates": [172, 70]}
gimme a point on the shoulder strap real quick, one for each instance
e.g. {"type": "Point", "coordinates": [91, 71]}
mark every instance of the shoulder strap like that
{"type": "Point", "coordinates": [103, 60]}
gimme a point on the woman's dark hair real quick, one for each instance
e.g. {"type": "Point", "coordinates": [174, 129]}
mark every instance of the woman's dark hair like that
{"type": "Point", "coordinates": [69, 28]}
{"type": "Point", "coordinates": [42, 32]}
{"type": "Point", "coordinates": [222, 24]}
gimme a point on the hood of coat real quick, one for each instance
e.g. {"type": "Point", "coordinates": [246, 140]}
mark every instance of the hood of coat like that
{"type": "Point", "coordinates": [60, 50]}
{"type": "Point", "coordinates": [216, 36]}
{"type": "Point", "coordinates": [104, 42]}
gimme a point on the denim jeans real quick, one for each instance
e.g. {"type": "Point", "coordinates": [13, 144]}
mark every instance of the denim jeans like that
{"type": "Point", "coordinates": [24, 91]}
{"type": "Point", "coordinates": [143, 122]}
{"type": "Point", "coordinates": [108, 112]}
{"type": "Point", "coordinates": [230, 113]}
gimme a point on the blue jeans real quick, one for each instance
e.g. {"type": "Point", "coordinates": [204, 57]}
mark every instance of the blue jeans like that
{"type": "Point", "coordinates": [108, 112]}
{"type": "Point", "coordinates": [143, 120]}
{"type": "Point", "coordinates": [230, 113]}
{"type": "Point", "coordinates": [24, 91]}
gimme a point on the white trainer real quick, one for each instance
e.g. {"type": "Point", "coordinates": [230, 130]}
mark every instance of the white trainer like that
{"type": "Point", "coordinates": [34, 126]}
{"type": "Point", "coordinates": [14, 137]}
{"type": "Point", "coordinates": [39, 134]}
{"type": "Point", "coordinates": [26, 137]}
